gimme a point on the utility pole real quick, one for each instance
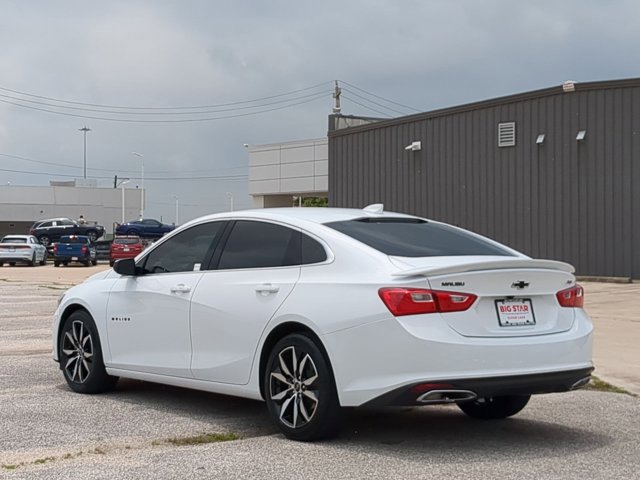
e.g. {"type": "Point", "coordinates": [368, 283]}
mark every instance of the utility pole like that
{"type": "Point", "coordinates": [141, 156]}
{"type": "Point", "coordinates": [336, 94]}
{"type": "Point", "coordinates": [85, 130]}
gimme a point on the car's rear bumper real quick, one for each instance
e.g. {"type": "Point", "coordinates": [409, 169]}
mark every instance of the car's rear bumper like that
{"type": "Point", "coordinates": [447, 391]}
{"type": "Point", "coordinates": [386, 358]}
{"type": "Point", "coordinates": [17, 257]}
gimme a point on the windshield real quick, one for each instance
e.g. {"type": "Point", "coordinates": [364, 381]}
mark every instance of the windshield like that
{"type": "Point", "coordinates": [413, 237]}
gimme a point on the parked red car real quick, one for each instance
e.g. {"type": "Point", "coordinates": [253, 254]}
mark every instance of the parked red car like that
{"type": "Point", "coordinates": [125, 247]}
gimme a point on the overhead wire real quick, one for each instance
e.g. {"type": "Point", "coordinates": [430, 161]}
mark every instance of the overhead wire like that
{"type": "Point", "coordinates": [380, 97]}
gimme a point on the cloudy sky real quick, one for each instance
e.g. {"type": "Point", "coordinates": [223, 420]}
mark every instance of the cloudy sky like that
{"type": "Point", "coordinates": [262, 72]}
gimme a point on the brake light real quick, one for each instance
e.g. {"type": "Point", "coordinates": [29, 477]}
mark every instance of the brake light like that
{"type": "Point", "coordinates": [571, 297]}
{"type": "Point", "coordinates": [55, 248]}
{"type": "Point", "coordinates": [84, 249]}
{"type": "Point", "coordinates": [412, 301]}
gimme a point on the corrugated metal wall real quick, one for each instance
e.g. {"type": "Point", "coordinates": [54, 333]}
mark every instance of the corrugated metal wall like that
{"type": "Point", "coordinates": [564, 199]}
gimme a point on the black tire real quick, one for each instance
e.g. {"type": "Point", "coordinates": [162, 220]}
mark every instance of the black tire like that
{"type": "Point", "coordinates": [44, 240]}
{"type": "Point", "coordinates": [56, 263]}
{"type": "Point", "coordinates": [44, 259]}
{"type": "Point", "coordinates": [311, 409]}
{"type": "Point", "coordinates": [94, 262]}
{"type": "Point", "coordinates": [32, 262]}
{"type": "Point", "coordinates": [12, 264]}
{"type": "Point", "coordinates": [111, 262]}
{"type": "Point", "coordinates": [81, 356]}
{"type": "Point", "coordinates": [492, 408]}
{"type": "Point", "coordinates": [87, 263]}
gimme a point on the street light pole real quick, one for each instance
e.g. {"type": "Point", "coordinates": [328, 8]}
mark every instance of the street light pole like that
{"type": "Point", "coordinates": [85, 130]}
{"type": "Point", "coordinates": [230, 195]}
{"type": "Point", "coordinates": [177, 209]}
{"type": "Point", "coordinates": [122, 184]}
{"type": "Point", "coordinates": [141, 182]}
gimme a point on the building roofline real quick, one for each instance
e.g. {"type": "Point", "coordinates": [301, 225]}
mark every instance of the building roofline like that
{"type": "Point", "coordinates": [492, 102]}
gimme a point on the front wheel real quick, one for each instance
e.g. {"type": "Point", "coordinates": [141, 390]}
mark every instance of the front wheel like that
{"type": "Point", "coordinates": [491, 408]}
{"type": "Point", "coordinates": [300, 389]}
{"type": "Point", "coordinates": [81, 356]}
{"type": "Point", "coordinates": [44, 240]}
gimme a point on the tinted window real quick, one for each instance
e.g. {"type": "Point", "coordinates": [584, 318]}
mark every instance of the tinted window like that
{"type": "Point", "coordinates": [259, 244]}
{"type": "Point", "coordinates": [312, 251]}
{"type": "Point", "coordinates": [65, 222]}
{"type": "Point", "coordinates": [126, 241]}
{"type": "Point", "coordinates": [14, 240]}
{"type": "Point", "coordinates": [415, 238]}
{"type": "Point", "coordinates": [185, 252]}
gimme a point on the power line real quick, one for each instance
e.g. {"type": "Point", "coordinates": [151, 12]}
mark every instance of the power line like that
{"type": "Point", "coordinates": [113, 170]}
{"type": "Point", "coordinates": [380, 98]}
{"type": "Point", "coordinates": [203, 112]}
{"type": "Point", "coordinates": [190, 120]}
{"type": "Point", "coordinates": [373, 101]}
{"type": "Point", "coordinates": [365, 106]}
{"type": "Point", "coordinates": [200, 177]}
{"type": "Point", "coordinates": [169, 107]}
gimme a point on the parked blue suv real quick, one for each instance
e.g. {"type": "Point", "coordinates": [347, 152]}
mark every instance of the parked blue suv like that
{"type": "Point", "coordinates": [144, 228]}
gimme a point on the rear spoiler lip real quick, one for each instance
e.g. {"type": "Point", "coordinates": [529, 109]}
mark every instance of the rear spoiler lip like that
{"type": "Point", "coordinates": [516, 263]}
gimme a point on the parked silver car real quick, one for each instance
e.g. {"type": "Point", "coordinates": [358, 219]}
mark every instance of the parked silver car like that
{"type": "Point", "coordinates": [22, 248]}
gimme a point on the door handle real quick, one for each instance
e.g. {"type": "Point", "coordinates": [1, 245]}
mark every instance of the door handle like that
{"type": "Point", "coordinates": [180, 288]}
{"type": "Point", "coordinates": [267, 288]}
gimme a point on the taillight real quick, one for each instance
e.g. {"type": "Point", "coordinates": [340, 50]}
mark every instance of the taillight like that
{"type": "Point", "coordinates": [55, 248]}
{"type": "Point", "coordinates": [571, 297]}
{"type": "Point", "coordinates": [84, 249]}
{"type": "Point", "coordinates": [412, 301]}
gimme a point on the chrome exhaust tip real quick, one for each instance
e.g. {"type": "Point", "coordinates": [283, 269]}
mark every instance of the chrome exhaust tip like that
{"type": "Point", "coordinates": [446, 396]}
{"type": "Point", "coordinates": [580, 383]}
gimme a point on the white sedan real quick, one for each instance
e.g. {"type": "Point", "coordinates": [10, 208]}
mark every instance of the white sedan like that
{"type": "Point", "coordinates": [314, 309]}
{"type": "Point", "coordinates": [22, 249]}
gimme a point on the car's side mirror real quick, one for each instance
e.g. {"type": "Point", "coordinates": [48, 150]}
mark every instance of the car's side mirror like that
{"type": "Point", "coordinates": [126, 266]}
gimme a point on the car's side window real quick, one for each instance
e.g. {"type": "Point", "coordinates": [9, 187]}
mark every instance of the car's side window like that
{"type": "Point", "coordinates": [312, 251]}
{"type": "Point", "coordinates": [184, 252]}
{"type": "Point", "coordinates": [253, 244]}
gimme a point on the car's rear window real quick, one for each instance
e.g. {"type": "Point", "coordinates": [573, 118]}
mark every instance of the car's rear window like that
{"type": "Point", "coordinates": [14, 240]}
{"type": "Point", "coordinates": [126, 241]}
{"type": "Point", "coordinates": [413, 237]}
{"type": "Point", "coordinates": [74, 240]}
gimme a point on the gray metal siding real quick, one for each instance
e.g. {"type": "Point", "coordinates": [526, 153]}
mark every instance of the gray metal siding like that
{"type": "Point", "coordinates": [567, 200]}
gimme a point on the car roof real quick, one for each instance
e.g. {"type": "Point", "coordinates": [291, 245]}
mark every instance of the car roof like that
{"type": "Point", "coordinates": [10, 236]}
{"type": "Point", "coordinates": [317, 215]}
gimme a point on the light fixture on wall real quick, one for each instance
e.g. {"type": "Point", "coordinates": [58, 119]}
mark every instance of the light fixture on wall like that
{"type": "Point", "coordinates": [581, 134]}
{"type": "Point", "coordinates": [540, 139]}
{"type": "Point", "coordinates": [414, 146]}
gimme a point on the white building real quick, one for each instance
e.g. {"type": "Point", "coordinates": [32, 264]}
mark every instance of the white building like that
{"type": "Point", "coordinates": [280, 171]}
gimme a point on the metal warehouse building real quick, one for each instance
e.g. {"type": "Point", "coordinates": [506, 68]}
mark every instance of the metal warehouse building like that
{"type": "Point", "coordinates": [554, 173]}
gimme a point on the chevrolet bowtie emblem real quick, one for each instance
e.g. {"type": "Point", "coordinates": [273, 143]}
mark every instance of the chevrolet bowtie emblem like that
{"type": "Point", "coordinates": [519, 285]}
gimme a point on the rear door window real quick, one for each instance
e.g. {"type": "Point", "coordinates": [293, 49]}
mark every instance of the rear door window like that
{"type": "Point", "coordinates": [412, 237]}
{"type": "Point", "coordinates": [253, 244]}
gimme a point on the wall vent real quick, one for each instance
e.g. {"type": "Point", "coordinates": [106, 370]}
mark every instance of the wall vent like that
{"type": "Point", "coordinates": [507, 134]}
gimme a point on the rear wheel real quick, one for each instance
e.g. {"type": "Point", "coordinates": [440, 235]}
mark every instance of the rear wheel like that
{"type": "Point", "coordinates": [81, 356]}
{"type": "Point", "coordinates": [491, 408]}
{"type": "Point", "coordinates": [44, 259]}
{"type": "Point", "coordinates": [32, 262]}
{"type": "Point", "coordinates": [56, 263]}
{"type": "Point", "coordinates": [300, 390]}
{"type": "Point", "coordinates": [94, 262]}
{"type": "Point", "coordinates": [12, 264]}
{"type": "Point", "coordinates": [44, 240]}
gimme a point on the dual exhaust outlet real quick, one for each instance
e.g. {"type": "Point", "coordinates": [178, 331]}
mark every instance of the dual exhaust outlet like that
{"type": "Point", "coordinates": [446, 396]}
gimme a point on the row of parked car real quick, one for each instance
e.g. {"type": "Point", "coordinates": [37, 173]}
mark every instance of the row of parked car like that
{"type": "Point", "coordinates": [70, 241]}
{"type": "Point", "coordinates": [26, 249]}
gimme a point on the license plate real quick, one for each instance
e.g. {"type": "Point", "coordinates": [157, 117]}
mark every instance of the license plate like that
{"type": "Point", "coordinates": [12, 249]}
{"type": "Point", "coordinates": [513, 312]}
{"type": "Point", "coordinates": [75, 259]}
{"type": "Point", "coordinates": [125, 249]}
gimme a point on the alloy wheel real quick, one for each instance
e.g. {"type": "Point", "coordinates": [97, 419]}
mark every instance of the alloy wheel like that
{"type": "Point", "coordinates": [77, 345]}
{"type": "Point", "coordinates": [293, 387]}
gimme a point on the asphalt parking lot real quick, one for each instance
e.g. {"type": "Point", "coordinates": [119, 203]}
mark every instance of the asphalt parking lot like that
{"type": "Point", "coordinates": [48, 432]}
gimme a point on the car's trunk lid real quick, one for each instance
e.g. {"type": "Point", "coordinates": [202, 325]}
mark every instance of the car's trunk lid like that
{"type": "Point", "coordinates": [516, 295]}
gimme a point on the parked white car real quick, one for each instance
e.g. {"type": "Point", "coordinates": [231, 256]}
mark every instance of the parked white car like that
{"type": "Point", "coordinates": [22, 249]}
{"type": "Point", "coordinates": [314, 309]}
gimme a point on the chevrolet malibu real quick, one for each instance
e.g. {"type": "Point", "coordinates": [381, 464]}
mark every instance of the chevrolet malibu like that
{"type": "Point", "coordinates": [314, 309]}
